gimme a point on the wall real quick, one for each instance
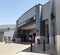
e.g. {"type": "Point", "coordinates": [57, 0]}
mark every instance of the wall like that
{"type": "Point", "coordinates": [57, 7]}
{"type": "Point", "coordinates": [9, 34]}
{"type": "Point", "coordinates": [7, 31]}
{"type": "Point", "coordinates": [46, 11]}
{"type": "Point", "coordinates": [33, 30]}
{"type": "Point", "coordinates": [1, 37]}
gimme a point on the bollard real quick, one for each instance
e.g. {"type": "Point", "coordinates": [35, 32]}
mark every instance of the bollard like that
{"type": "Point", "coordinates": [31, 44]}
{"type": "Point", "coordinates": [43, 45]}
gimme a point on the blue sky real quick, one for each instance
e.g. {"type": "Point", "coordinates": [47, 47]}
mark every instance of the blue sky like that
{"type": "Point", "coordinates": [11, 10]}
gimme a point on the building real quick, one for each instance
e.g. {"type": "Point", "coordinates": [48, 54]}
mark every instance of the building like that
{"type": "Point", "coordinates": [7, 32]}
{"type": "Point", "coordinates": [35, 21]}
{"type": "Point", "coordinates": [44, 21]}
{"type": "Point", "coordinates": [28, 23]}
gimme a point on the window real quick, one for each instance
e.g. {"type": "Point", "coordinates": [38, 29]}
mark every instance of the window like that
{"type": "Point", "coordinates": [8, 29]}
{"type": "Point", "coordinates": [9, 38]}
{"type": "Point", "coordinates": [4, 37]}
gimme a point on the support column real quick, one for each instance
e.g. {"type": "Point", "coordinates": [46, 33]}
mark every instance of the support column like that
{"type": "Point", "coordinates": [38, 17]}
{"type": "Point", "coordinates": [40, 25]}
{"type": "Point", "coordinates": [51, 39]}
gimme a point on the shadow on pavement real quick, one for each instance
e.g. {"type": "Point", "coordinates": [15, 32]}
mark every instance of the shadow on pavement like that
{"type": "Point", "coordinates": [36, 49]}
{"type": "Point", "coordinates": [23, 43]}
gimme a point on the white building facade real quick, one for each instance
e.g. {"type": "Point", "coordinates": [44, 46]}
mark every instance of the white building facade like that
{"type": "Point", "coordinates": [7, 33]}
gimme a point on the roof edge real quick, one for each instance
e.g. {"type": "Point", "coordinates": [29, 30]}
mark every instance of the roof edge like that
{"type": "Point", "coordinates": [28, 10]}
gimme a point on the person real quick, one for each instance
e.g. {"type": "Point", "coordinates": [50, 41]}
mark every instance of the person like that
{"type": "Point", "coordinates": [32, 38]}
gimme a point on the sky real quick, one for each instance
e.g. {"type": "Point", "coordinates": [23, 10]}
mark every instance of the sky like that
{"type": "Point", "coordinates": [11, 10]}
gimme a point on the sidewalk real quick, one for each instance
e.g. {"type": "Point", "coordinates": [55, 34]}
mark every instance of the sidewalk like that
{"type": "Point", "coordinates": [38, 49]}
{"type": "Point", "coordinates": [29, 53]}
{"type": "Point", "coordinates": [12, 48]}
{"type": "Point", "coordinates": [24, 49]}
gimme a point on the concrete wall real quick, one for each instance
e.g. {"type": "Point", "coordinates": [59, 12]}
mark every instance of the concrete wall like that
{"type": "Point", "coordinates": [57, 7]}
